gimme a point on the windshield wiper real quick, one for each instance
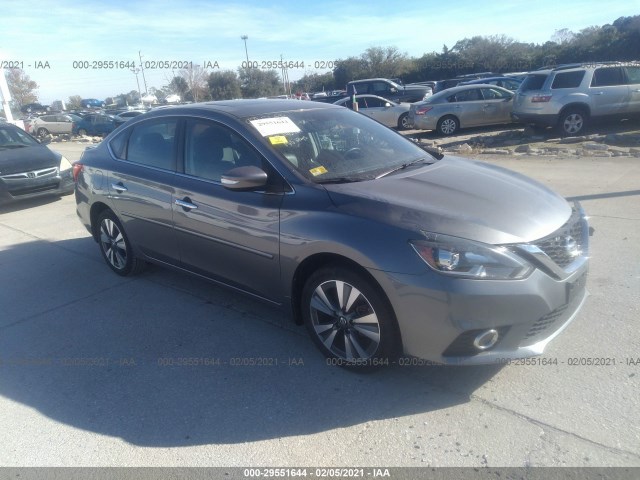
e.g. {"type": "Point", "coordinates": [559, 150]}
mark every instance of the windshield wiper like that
{"type": "Point", "coordinates": [340, 180]}
{"type": "Point", "coordinates": [405, 165]}
{"type": "Point", "coordinates": [12, 146]}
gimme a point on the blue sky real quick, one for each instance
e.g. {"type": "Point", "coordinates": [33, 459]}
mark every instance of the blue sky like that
{"type": "Point", "coordinates": [60, 33]}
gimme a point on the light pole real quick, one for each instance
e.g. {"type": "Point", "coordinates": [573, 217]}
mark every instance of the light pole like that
{"type": "Point", "coordinates": [142, 69]}
{"type": "Point", "coordinates": [246, 52]}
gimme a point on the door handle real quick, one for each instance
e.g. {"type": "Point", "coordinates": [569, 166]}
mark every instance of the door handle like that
{"type": "Point", "coordinates": [637, 90]}
{"type": "Point", "coordinates": [186, 204]}
{"type": "Point", "coordinates": [599, 93]}
{"type": "Point", "coordinates": [118, 187]}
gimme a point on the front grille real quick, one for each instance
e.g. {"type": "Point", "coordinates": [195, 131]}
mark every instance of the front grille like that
{"type": "Point", "coordinates": [45, 172]}
{"type": "Point", "coordinates": [555, 245]}
{"type": "Point", "coordinates": [538, 330]}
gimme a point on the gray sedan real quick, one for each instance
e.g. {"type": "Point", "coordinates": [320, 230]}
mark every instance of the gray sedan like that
{"type": "Point", "coordinates": [391, 114]}
{"type": "Point", "coordinates": [460, 107]}
{"type": "Point", "coordinates": [380, 248]}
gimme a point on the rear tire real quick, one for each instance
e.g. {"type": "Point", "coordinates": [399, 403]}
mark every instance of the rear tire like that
{"type": "Point", "coordinates": [82, 132]}
{"type": "Point", "coordinates": [349, 319]}
{"type": "Point", "coordinates": [572, 122]}
{"type": "Point", "coordinates": [448, 125]}
{"type": "Point", "coordinates": [403, 122]}
{"type": "Point", "coordinates": [42, 132]}
{"type": "Point", "coordinates": [115, 246]}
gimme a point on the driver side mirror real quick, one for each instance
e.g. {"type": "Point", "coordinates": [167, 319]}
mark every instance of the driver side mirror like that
{"type": "Point", "coordinates": [244, 178]}
{"type": "Point", "coordinates": [387, 105]}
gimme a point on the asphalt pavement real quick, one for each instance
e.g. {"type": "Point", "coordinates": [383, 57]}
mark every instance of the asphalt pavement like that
{"type": "Point", "coordinates": [164, 369]}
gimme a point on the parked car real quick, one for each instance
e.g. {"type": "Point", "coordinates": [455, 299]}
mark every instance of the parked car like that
{"type": "Point", "coordinates": [91, 103]}
{"type": "Point", "coordinates": [462, 107]}
{"type": "Point", "coordinates": [383, 87]}
{"type": "Point", "coordinates": [34, 108]}
{"type": "Point", "coordinates": [125, 116]}
{"type": "Point", "coordinates": [55, 124]}
{"type": "Point", "coordinates": [377, 246]}
{"type": "Point", "coordinates": [29, 169]}
{"type": "Point", "coordinates": [95, 124]}
{"type": "Point", "coordinates": [391, 114]}
{"type": "Point", "coordinates": [509, 83]}
{"type": "Point", "coordinates": [441, 85]}
{"type": "Point", "coordinates": [568, 97]}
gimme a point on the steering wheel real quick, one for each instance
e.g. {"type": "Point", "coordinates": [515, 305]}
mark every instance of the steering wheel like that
{"type": "Point", "coordinates": [353, 152]}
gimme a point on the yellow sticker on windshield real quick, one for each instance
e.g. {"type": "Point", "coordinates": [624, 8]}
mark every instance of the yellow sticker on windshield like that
{"type": "Point", "coordinates": [318, 171]}
{"type": "Point", "coordinates": [278, 140]}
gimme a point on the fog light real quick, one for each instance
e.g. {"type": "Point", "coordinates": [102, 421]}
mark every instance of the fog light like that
{"type": "Point", "coordinates": [486, 339]}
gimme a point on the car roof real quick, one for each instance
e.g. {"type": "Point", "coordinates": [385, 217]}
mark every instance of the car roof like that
{"type": "Point", "coordinates": [454, 90]}
{"type": "Point", "coordinates": [489, 79]}
{"type": "Point", "coordinates": [245, 108]}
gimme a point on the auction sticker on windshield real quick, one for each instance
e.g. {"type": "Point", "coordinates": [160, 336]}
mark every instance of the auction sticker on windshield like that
{"type": "Point", "coordinates": [274, 126]}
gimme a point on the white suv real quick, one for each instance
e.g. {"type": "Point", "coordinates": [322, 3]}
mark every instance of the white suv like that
{"type": "Point", "coordinates": [569, 96]}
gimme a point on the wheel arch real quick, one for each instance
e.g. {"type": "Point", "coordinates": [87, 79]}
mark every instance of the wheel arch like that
{"type": "Point", "coordinates": [319, 260]}
{"type": "Point", "coordinates": [95, 212]}
{"type": "Point", "coordinates": [576, 105]}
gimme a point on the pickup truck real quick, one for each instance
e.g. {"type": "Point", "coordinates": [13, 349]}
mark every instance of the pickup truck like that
{"type": "Point", "coordinates": [385, 88]}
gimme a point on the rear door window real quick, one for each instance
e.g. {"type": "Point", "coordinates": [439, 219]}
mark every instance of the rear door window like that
{"type": "Point", "coordinates": [153, 144]}
{"type": "Point", "coordinates": [607, 77]}
{"type": "Point", "coordinates": [568, 79]}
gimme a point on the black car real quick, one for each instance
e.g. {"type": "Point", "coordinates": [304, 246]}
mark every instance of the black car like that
{"type": "Point", "coordinates": [28, 168]}
{"type": "Point", "coordinates": [34, 108]}
{"type": "Point", "coordinates": [385, 88]}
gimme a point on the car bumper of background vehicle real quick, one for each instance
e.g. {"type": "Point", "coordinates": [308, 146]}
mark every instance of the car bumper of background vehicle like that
{"type": "Point", "coordinates": [440, 317]}
{"type": "Point", "coordinates": [422, 122]}
{"type": "Point", "coordinates": [15, 189]}
{"type": "Point", "coordinates": [545, 120]}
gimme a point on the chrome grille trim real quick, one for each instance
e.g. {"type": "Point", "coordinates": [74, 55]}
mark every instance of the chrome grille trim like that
{"type": "Point", "coordinates": [550, 252]}
{"type": "Point", "coordinates": [45, 172]}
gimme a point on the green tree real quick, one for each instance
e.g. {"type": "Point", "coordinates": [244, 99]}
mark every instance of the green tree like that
{"type": "Point", "coordinates": [256, 83]}
{"type": "Point", "coordinates": [224, 85]}
{"type": "Point", "coordinates": [74, 102]}
{"type": "Point", "coordinates": [315, 82]}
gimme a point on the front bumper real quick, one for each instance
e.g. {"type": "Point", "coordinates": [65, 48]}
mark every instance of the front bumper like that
{"type": "Point", "coordinates": [21, 187]}
{"type": "Point", "coordinates": [439, 317]}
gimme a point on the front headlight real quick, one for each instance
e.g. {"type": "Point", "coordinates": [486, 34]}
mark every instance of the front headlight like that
{"type": "Point", "coordinates": [464, 258]}
{"type": "Point", "coordinates": [64, 164]}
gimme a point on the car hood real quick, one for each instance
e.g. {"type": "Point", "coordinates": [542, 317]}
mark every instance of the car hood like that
{"type": "Point", "coordinates": [25, 159]}
{"type": "Point", "coordinates": [466, 199]}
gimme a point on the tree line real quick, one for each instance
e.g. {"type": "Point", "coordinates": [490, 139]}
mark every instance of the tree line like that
{"type": "Point", "coordinates": [496, 53]}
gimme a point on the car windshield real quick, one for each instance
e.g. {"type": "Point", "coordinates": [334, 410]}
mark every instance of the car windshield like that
{"type": "Point", "coordinates": [13, 137]}
{"type": "Point", "coordinates": [337, 145]}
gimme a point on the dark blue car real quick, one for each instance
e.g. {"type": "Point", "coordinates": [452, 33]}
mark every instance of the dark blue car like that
{"type": "Point", "coordinates": [95, 124]}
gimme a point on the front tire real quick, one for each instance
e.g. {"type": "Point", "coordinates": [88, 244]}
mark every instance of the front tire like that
{"type": "Point", "coordinates": [403, 122]}
{"type": "Point", "coordinates": [448, 125]}
{"type": "Point", "coordinates": [349, 319]}
{"type": "Point", "coordinates": [82, 132]}
{"type": "Point", "coordinates": [115, 246]}
{"type": "Point", "coordinates": [572, 122]}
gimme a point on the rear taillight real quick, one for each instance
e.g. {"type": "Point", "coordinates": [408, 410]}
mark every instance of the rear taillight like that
{"type": "Point", "coordinates": [77, 168]}
{"type": "Point", "coordinates": [540, 98]}
{"type": "Point", "coordinates": [422, 110]}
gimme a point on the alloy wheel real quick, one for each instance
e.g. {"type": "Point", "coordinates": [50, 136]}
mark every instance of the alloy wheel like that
{"type": "Point", "coordinates": [344, 320]}
{"type": "Point", "coordinates": [573, 123]}
{"type": "Point", "coordinates": [113, 244]}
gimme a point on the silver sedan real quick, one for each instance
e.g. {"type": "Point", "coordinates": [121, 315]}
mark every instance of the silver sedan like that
{"type": "Point", "coordinates": [460, 107]}
{"type": "Point", "coordinates": [391, 114]}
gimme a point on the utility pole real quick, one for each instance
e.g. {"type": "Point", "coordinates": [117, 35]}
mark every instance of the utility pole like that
{"type": "Point", "coordinates": [143, 79]}
{"type": "Point", "coordinates": [137, 71]}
